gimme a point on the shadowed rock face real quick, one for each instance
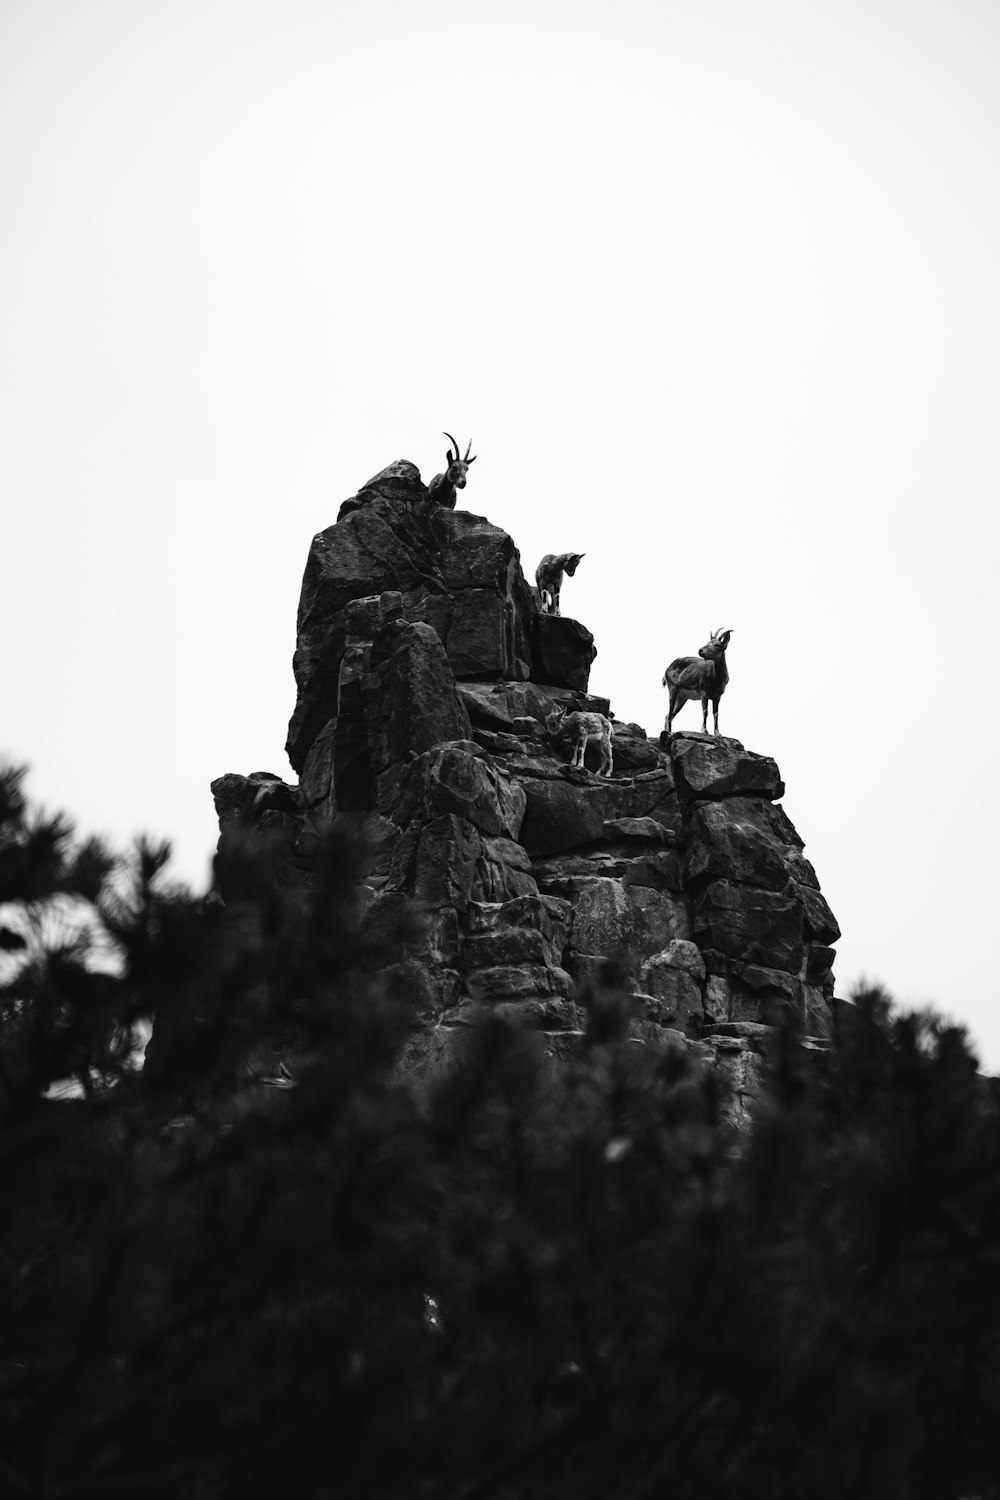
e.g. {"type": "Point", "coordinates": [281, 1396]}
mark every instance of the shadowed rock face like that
{"type": "Point", "coordinates": [453, 572]}
{"type": "Point", "coordinates": [425, 675]}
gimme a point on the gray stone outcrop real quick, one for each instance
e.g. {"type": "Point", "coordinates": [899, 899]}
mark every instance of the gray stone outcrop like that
{"type": "Point", "coordinates": [425, 674]}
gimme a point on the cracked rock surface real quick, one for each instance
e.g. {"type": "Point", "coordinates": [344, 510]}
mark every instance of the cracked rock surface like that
{"type": "Point", "coordinates": [425, 673]}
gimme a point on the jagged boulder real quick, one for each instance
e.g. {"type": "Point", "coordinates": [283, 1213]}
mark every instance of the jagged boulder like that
{"type": "Point", "coordinates": [453, 571]}
{"type": "Point", "coordinates": [675, 977]}
{"type": "Point", "coordinates": [529, 929]}
{"type": "Point", "coordinates": [568, 808]}
{"type": "Point", "coordinates": [503, 705]}
{"type": "Point", "coordinates": [743, 839]}
{"type": "Point", "coordinates": [743, 921]}
{"type": "Point", "coordinates": [427, 680]}
{"type": "Point", "coordinates": [448, 861]}
{"type": "Point", "coordinates": [565, 651]}
{"type": "Point", "coordinates": [260, 800]}
{"type": "Point", "coordinates": [459, 777]}
{"type": "Point", "coordinates": [408, 696]}
{"type": "Point", "coordinates": [707, 765]}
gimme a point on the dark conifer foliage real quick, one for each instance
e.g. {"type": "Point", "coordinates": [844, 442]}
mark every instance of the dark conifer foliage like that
{"type": "Point", "coordinates": [279, 1261]}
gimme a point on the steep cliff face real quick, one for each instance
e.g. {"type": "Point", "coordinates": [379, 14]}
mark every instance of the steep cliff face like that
{"type": "Point", "coordinates": [425, 675]}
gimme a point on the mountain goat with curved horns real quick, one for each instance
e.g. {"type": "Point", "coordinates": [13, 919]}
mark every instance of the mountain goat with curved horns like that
{"type": "Point", "coordinates": [703, 676]}
{"type": "Point", "coordinates": [443, 487]}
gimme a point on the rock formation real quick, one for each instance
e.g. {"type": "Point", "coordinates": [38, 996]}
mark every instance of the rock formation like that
{"type": "Point", "coordinates": [425, 674]}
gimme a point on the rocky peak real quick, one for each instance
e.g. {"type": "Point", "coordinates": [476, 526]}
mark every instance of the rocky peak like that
{"type": "Point", "coordinates": [426, 673]}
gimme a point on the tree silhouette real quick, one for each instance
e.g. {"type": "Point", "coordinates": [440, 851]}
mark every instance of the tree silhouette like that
{"type": "Point", "coordinates": [282, 1259]}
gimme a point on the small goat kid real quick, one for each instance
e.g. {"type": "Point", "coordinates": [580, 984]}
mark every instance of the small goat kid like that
{"type": "Point", "coordinates": [580, 729]}
{"type": "Point", "coordinates": [703, 676]}
{"type": "Point", "coordinates": [443, 487]}
{"type": "Point", "coordinates": [549, 577]}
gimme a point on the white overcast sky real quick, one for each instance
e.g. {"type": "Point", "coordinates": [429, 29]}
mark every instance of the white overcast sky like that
{"type": "Point", "coordinates": [714, 288]}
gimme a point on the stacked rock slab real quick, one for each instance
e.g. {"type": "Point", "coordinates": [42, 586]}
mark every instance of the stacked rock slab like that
{"type": "Point", "coordinates": [425, 675]}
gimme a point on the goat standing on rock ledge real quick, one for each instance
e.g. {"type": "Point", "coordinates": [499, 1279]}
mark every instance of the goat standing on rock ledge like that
{"type": "Point", "coordinates": [687, 677]}
{"type": "Point", "coordinates": [549, 577]}
{"type": "Point", "coordinates": [579, 729]}
{"type": "Point", "coordinates": [443, 487]}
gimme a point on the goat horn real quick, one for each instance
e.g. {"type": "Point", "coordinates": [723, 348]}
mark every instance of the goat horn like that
{"type": "Point", "coordinates": [452, 440]}
{"type": "Point", "coordinates": [466, 459]}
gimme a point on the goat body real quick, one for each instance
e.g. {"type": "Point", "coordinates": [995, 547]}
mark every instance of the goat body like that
{"type": "Point", "coordinates": [580, 729]}
{"type": "Point", "coordinates": [443, 487]}
{"type": "Point", "coordinates": [703, 676]}
{"type": "Point", "coordinates": [549, 577]}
